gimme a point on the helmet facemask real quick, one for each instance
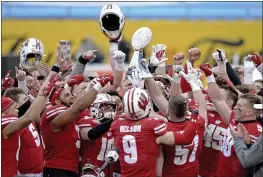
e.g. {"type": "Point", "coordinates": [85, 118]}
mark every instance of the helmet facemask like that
{"type": "Point", "coordinates": [103, 111]}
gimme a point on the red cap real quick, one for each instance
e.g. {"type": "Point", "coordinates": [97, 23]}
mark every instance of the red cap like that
{"type": "Point", "coordinates": [55, 95]}
{"type": "Point", "coordinates": [6, 103]}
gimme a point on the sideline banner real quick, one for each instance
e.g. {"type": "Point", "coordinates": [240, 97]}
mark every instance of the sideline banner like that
{"type": "Point", "coordinates": [236, 37]}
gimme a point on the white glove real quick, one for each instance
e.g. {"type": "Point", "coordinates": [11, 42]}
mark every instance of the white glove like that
{"type": "Point", "coordinates": [158, 55]}
{"type": "Point", "coordinates": [119, 57]}
{"type": "Point", "coordinates": [217, 58]}
{"type": "Point", "coordinates": [248, 71]}
{"type": "Point", "coordinates": [176, 75]}
{"type": "Point", "coordinates": [136, 79]}
{"type": "Point", "coordinates": [199, 81]}
{"type": "Point", "coordinates": [191, 77]}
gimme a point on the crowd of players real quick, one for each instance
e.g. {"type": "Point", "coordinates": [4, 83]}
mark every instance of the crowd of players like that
{"type": "Point", "coordinates": [63, 122]}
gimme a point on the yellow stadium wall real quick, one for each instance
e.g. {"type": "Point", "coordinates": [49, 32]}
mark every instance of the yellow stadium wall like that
{"type": "Point", "coordinates": [179, 36]}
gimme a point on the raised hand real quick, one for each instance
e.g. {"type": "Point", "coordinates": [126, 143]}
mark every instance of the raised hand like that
{"type": "Point", "coordinates": [206, 68]}
{"type": "Point", "coordinates": [178, 58]}
{"type": "Point", "coordinates": [89, 55]}
{"type": "Point", "coordinates": [193, 54]}
{"type": "Point", "coordinates": [44, 69]}
{"type": "Point", "coordinates": [255, 58]}
{"type": "Point", "coordinates": [75, 80]}
{"type": "Point", "coordinates": [20, 75]}
{"type": "Point", "coordinates": [105, 79]}
{"type": "Point", "coordinates": [192, 75]}
{"type": "Point", "coordinates": [219, 56]}
{"type": "Point", "coordinates": [176, 70]}
{"type": "Point", "coordinates": [135, 79]}
{"type": "Point", "coordinates": [119, 57]}
{"type": "Point", "coordinates": [7, 81]}
{"type": "Point", "coordinates": [158, 55]}
{"type": "Point", "coordinates": [47, 87]}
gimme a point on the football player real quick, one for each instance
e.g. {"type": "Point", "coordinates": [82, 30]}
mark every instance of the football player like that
{"type": "Point", "coordinates": [12, 126]}
{"type": "Point", "coordinates": [94, 151]}
{"type": "Point", "coordinates": [243, 112]}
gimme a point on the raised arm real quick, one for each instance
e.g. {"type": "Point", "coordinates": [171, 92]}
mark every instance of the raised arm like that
{"type": "Point", "coordinates": [79, 105]}
{"type": "Point", "coordinates": [33, 111]}
{"type": "Point", "coordinates": [80, 65]}
{"type": "Point", "coordinates": [214, 94]}
{"type": "Point", "coordinates": [175, 84]}
{"type": "Point", "coordinates": [198, 95]}
{"type": "Point", "coordinates": [157, 58]}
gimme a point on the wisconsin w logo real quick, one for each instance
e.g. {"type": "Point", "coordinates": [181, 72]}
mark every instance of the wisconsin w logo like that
{"type": "Point", "coordinates": [143, 101]}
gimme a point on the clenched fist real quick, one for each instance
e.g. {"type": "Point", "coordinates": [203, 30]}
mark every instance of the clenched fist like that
{"type": "Point", "coordinates": [193, 54]}
{"type": "Point", "coordinates": [178, 58]}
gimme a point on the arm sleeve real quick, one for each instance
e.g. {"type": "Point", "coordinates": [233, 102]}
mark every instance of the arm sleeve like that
{"type": "Point", "coordinates": [22, 85]}
{"type": "Point", "coordinates": [99, 130]}
{"type": "Point", "coordinates": [248, 157]}
{"type": "Point", "coordinates": [187, 136]}
{"type": "Point", "coordinates": [78, 68]}
{"type": "Point", "coordinates": [232, 75]}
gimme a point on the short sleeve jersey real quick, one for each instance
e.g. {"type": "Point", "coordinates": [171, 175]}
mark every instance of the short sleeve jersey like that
{"type": "Point", "coordinates": [137, 143]}
{"type": "Point", "coordinates": [61, 149]}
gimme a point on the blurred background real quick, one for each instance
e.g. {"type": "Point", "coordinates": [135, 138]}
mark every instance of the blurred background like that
{"type": "Point", "coordinates": [235, 27]}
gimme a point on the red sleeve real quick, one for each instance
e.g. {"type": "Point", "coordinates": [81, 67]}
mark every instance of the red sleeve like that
{"type": "Point", "coordinates": [86, 122]}
{"type": "Point", "coordinates": [6, 121]}
{"type": "Point", "coordinates": [159, 126]}
{"type": "Point", "coordinates": [255, 130]}
{"type": "Point", "coordinates": [54, 112]}
{"type": "Point", "coordinates": [187, 136]}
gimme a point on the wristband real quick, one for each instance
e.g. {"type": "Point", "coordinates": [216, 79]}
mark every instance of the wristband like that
{"type": "Point", "coordinates": [210, 79]}
{"type": "Point", "coordinates": [82, 60]}
{"type": "Point", "coordinates": [119, 66]}
{"type": "Point", "coordinates": [194, 87]}
{"type": "Point", "coordinates": [55, 68]}
{"type": "Point", "coordinates": [152, 68]}
{"type": "Point", "coordinates": [97, 87]}
{"type": "Point", "coordinates": [113, 47]}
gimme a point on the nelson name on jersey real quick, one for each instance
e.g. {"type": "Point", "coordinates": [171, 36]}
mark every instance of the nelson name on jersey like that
{"type": "Point", "coordinates": [134, 128]}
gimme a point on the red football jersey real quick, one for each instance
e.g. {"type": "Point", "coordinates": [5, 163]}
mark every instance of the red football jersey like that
{"type": "Point", "coordinates": [9, 149]}
{"type": "Point", "coordinates": [228, 163]}
{"type": "Point", "coordinates": [95, 151]}
{"type": "Point", "coordinates": [214, 134]}
{"type": "Point", "coordinates": [61, 149]}
{"type": "Point", "coordinates": [137, 143]}
{"type": "Point", "coordinates": [31, 158]}
{"type": "Point", "coordinates": [182, 160]}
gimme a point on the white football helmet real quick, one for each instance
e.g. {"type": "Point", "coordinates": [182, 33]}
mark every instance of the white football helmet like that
{"type": "Point", "coordinates": [137, 103]}
{"type": "Point", "coordinates": [90, 170]}
{"type": "Point", "coordinates": [31, 53]}
{"type": "Point", "coordinates": [103, 106]}
{"type": "Point", "coordinates": [112, 21]}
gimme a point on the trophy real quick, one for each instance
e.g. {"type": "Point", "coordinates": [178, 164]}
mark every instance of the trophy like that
{"type": "Point", "coordinates": [141, 38]}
